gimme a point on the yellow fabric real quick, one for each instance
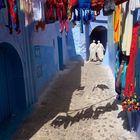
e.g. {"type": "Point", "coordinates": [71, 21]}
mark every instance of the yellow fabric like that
{"type": "Point", "coordinates": [117, 23]}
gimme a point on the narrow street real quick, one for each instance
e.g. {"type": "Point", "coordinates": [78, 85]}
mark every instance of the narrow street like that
{"type": "Point", "coordinates": [80, 104]}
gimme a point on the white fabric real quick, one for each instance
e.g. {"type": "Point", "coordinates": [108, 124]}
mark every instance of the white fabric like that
{"type": "Point", "coordinates": [26, 7]}
{"type": "Point", "coordinates": [37, 10]}
{"type": "Point", "coordinates": [92, 50]}
{"type": "Point", "coordinates": [127, 33]}
{"type": "Point", "coordinates": [134, 4]}
{"type": "Point", "coordinates": [100, 51]}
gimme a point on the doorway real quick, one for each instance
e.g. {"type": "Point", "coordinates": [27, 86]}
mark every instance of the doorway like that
{"type": "Point", "coordinates": [12, 88]}
{"type": "Point", "coordinates": [99, 33]}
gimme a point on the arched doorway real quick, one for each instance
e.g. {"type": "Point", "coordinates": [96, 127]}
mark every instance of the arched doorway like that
{"type": "Point", "coordinates": [12, 88]}
{"type": "Point", "coordinates": [99, 33]}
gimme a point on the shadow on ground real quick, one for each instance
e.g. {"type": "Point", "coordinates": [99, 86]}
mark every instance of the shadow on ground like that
{"type": "Point", "coordinates": [124, 117]}
{"type": "Point", "coordinates": [101, 86]}
{"type": "Point", "coordinates": [58, 100]}
{"type": "Point", "coordinates": [84, 114]}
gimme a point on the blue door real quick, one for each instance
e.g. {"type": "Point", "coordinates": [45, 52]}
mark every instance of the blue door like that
{"type": "Point", "coordinates": [12, 91]}
{"type": "Point", "coordinates": [60, 53]}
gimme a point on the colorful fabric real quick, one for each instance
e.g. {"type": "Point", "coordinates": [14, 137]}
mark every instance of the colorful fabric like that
{"type": "Point", "coordinates": [117, 23]}
{"type": "Point", "coordinates": [137, 70]}
{"type": "Point", "coordinates": [129, 90]}
{"type": "Point", "coordinates": [84, 4]}
{"type": "Point", "coordinates": [118, 2]}
{"type": "Point", "coordinates": [49, 8]}
{"type": "Point", "coordinates": [13, 20]}
{"type": "Point", "coordinates": [97, 5]}
{"type": "Point", "coordinates": [37, 10]}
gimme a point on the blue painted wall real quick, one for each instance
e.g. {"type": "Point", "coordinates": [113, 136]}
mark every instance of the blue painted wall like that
{"type": "Point", "coordinates": [45, 55]}
{"type": "Point", "coordinates": [38, 53]}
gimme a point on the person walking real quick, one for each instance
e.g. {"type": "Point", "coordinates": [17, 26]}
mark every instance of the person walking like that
{"type": "Point", "coordinates": [92, 51]}
{"type": "Point", "coordinates": [100, 51]}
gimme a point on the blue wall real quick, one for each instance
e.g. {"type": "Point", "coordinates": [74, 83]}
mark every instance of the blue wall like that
{"type": "Point", "coordinates": [45, 54]}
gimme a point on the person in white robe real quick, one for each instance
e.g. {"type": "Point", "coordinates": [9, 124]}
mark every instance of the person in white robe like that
{"type": "Point", "coordinates": [100, 51]}
{"type": "Point", "coordinates": [92, 51]}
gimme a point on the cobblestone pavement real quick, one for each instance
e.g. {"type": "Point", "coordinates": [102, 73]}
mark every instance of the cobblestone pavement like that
{"type": "Point", "coordinates": [79, 104]}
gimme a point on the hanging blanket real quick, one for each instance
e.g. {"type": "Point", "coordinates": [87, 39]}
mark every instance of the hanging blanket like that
{"type": "Point", "coordinates": [131, 102]}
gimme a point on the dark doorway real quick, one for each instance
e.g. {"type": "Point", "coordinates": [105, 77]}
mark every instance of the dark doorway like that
{"type": "Point", "coordinates": [99, 33]}
{"type": "Point", "coordinates": [12, 88]}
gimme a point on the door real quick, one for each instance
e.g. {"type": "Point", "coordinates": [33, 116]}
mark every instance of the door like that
{"type": "Point", "coordinates": [5, 105]}
{"type": "Point", "coordinates": [12, 89]}
{"type": "Point", "coordinates": [60, 53]}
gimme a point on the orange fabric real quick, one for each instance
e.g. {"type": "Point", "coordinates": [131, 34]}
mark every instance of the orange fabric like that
{"type": "Point", "coordinates": [97, 5]}
{"type": "Point", "coordinates": [117, 23]}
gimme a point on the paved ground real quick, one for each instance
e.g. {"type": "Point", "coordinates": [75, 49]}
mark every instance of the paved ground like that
{"type": "Point", "coordinates": [79, 105]}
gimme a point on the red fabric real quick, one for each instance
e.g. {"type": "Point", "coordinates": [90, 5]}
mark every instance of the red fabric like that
{"type": "Point", "coordinates": [120, 1]}
{"type": "Point", "coordinates": [129, 90]}
{"type": "Point", "coordinates": [50, 5]}
{"type": "Point", "coordinates": [11, 10]}
{"type": "Point", "coordinates": [97, 5]}
{"type": "Point", "coordinates": [73, 3]}
{"type": "Point", "coordinates": [62, 9]}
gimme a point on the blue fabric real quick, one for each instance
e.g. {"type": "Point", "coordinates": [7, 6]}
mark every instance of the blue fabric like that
{"type": "Point", "coordinates": [123, 78]}
{"type": "Point", "coordinates": [137, 71]}
{"type": "Point", "coordinates": [85, 4]}
{"type": "Point", "coordinates": [117, 64]}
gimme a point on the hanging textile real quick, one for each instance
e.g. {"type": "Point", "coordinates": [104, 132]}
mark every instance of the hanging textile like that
{"type": "Point", "coordinates": [61, 14]}
{"type": "Point", "coordinates": [131, 103]}
{"type": "Point", "coordinates": [97, 5]}
{"type": "Point", "coordinates": [127, 30]}
{"type": "Point", "coordinates": [137, 70]}
{"type": "Point", "coordinates": [120, 74]}
{"type": "Point", "coordinates": [26, 7]}
{"type": "Point", "coordinates": [2, 4]}
{"type": "Point", "coordinates": [13, 20]}
{"type": "Point", "coordinates": [37, 10]}
{"type": "Point", "coordinates": [130, 81]}
{"type": "Point", "coordinates": [118, 2]}
{"type": "Point", "coordinates": [134, 4]}
{"type": "Point", "coordinates": [50, 14]}
{"type": "Point", "coordinates": [84, 4]}
{"type": "Point", "coordinates": [109, 7]}
{"type": "Point", "coordinates": [117, 24]}
{"type": "Point", "coordinates": [71, 6]}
